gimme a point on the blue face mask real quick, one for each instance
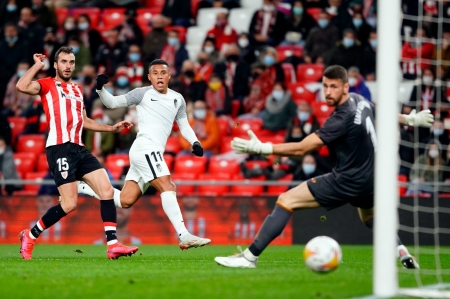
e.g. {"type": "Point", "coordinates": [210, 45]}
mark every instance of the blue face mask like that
{"type": "Point", "coordinates": [297, 11]}
{"type": "Point", "coordinates": [438, 132]}
{"type": "Point", "coordinates": [373, 43]}
{"type": "Point", "coordinates": [357, 22]}
{"type": "Point", "coordinates": [11, 8]}
{"type": "Point", "coordinates": [83, 26]}
{"type": "Point", "coordinates": [348, 42]}
{"type": "Point", "coordinates": [303, 115]}
{"type": "Point", "coordinates": [200, 113]}
{"type": "Point", "coordinates": [20, 73]}
{"type": "Point", "coordinates": [135, 57]}
{"type": "Point", "coordinates": [75, 50]}
{"type": "Point", "coordinates": [278, 95]}
{"type": "Point", "coordinates": [122, 81]}
{"type": "Point", "coordinates": [269, 60]}
{"type": "Point", "coordinates": [173, 41]}
{"type": "Point", "coordinates": [11, 39]}
{"type": "Point", "coordinates": [308, 168]}
{"type": "Point", "coordinates": [322, 23]}
{"type": "Point", "coordinates": [109, 89]}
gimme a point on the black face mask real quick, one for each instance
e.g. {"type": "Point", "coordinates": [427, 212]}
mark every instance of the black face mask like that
{"type": "Point", "coordinates": [233, 57]}
{"type": "Point", "coordinates": [158, 29]}
{"type": "Point", "coordinates": [88, 80]}
{"type": "Point", "coordinates": [189, 73]}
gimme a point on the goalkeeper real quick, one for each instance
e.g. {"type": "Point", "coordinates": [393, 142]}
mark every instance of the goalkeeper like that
{"type": "Point", "coordinates": [350, 136]}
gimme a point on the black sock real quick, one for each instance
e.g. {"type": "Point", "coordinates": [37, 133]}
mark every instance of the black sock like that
{"type": "Point", "coordinates": [369, 224]}
{"type": "Point", "coordinates": [271, 228]}
{"type": "Point", "coordinates": [109, 217]}
{"type": "Point", "coordinates": [53, 215]}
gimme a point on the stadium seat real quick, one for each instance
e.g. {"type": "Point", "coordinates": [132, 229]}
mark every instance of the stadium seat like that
{"type": "Point", "coordinates": [17, 125]}
{"type": "Point", "coordinates": [217, 165]}
{"type": "Point", "coordinates": [288, 51]}
{"type": "Point", "coordinates": [193, 51]}
{"type": "Point", "coordinates": [116, 162]}
{"type": "Point", "coordinates": [289, 73]}
{"type": "Point", "coordinates": [172, 145]}
{"type": "Point", "coordinates": [272, 139]}
{"type": "Point", "coordinates": [155, 4]}
{"type": "Point", "coordinates": [25, 162]}
{"type": "Point", "coordinates": [257, 164]}
{"type": "Point", "coordinates": [240, 18]}
{"type": "Point", "coordinates": [143, 20]}
{"type": "Point", "coordinates": [225, 144]}
{"type": "Point", "coordinates": [184, 190]}
{"type": "Point", "coordinates": [275, 190]}
{"type": "Point", "coordinates": [309, 72]}
{"type": "Point", "coordinates": [190, 164]}
{"type": "Point", "coordinates": [42, 164]}
{"type": "Point", "coordinates": [92, 12]}
{"type": "Point", "coordinates": [181, 31]}
{"type": "Point", "coordinates": [300, 93]}
{"type": "Point", "coordinates": [213, 190]}
{"type": "Point", "coordinates": [321, 109]}
{"type": "Point", "coordinates": [196, 35]}
{"type": "Point", "coordinates": [247, 190]}
{"type": "Point", "coordinates": [256, 4]}
{"type": "Point", "coordinates": [206, 17]}
{"type": "Point", "coordinates": [169, 161]}
{"type": "Point", "coordinates": [243, 125]}
{"type": "Point", "coordinates": [112, 17]}
{"type": "Point", "coordinates": [224, 125]}
{"type": "Point", "coordinates": [314, 12]}
{"type": "Point", "coordinates": [235, 106]}
{"type": "Point", "coordinates": [37, 176]}
{"type": "Point", "coordinates": [33, 143]}
{"type": "Point", "coordinates": [61, 14]}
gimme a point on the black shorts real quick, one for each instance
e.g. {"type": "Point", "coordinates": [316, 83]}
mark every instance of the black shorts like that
{"type": "Point", "coordinates": [331, 194]}
{"type": "Point", "coordinates": [69, 162]}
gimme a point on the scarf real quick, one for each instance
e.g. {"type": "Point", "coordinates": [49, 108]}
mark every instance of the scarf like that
{"type": "Point", "coordinates": [260, 20]}
{"type": "Point", "coordinates": [135, 70]}
{"type": "Point", "coordinates": [215, 99]}
{"type": "Point", "coordinates": [168, 54]}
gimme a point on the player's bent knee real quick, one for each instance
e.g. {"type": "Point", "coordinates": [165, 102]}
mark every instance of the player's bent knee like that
{"type": "Point", "coordinates": [68, 206]}
{"type": "Point", "coordinates": [106, 193]}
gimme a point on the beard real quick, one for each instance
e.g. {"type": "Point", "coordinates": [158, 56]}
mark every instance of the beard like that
{"type": "Point", "coordinates": [62, 76]}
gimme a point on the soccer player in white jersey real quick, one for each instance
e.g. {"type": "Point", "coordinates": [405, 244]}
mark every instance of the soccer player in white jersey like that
{"type": "Point", "coordinates": [157, 107]}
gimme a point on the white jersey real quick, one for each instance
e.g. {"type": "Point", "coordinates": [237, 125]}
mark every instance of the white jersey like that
{"type": "Point", "coordinates": [156, 113]}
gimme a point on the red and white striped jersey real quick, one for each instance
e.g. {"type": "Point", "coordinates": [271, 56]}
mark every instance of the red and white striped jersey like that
{"type": "Point", "coordinates": [63, 106]}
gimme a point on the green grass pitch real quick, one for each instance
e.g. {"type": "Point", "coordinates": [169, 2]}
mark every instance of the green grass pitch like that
{"type": "Point", "coordinates": [167, 272]}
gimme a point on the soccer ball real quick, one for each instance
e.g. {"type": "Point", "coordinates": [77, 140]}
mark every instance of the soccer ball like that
{"type": "Point", "coordinates": [322, 254]}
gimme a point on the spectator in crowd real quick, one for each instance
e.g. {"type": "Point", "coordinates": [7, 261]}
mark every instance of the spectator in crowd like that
{"type": "Point", "coordinates": [412, 63]}
{"type": "Point", "coordinates": [442, 52]}
{"type": "Point", "coordinates": [206, 127]}
{"type": "Point", "coordinates": [210, 48]}
{"type": "Point", "coordinates": [279, 109]}
{"type": "Point", "coordinates": [99, 142]}
{"type": "Point", "coordinates": [90, 37]}
{"type": "Point", "coordinates": [31, 30]}
{"type": "Point", "coordinates": [192, 85]}
{"type": "Point", "coordinates": [268, 26]}
{"type": "Point", "coordinates": [135, 66]}
{"type": "Point", "coordinates": [174, 52]}
{"type": "Point", "coordinates": [438, 132]}
{"type": "Point", "coordinates": [340, 16]}
{"type": "Point", "coordinates": [347, 52]}
{"type": "Point", "coordinates": [68, 30]}
{"type": "Point", "coordinates": [129, 31]}
{"type": "Point", "coordinates": [254, 103]}
{"type": "Point", "coordinates": [247, 52]}
{"type": "Point", "coordinates": [299, 24]}
{"type": "Point", "coordinates": [274, 70]}
{"type": "Point", "coordinates": [89, 94]}
{"type": "Point", "coordinates": [14, 101]}
{"type": "Point", "coordinates": [356, 82]}
{"type": "Point", "coordinates": [204, 67]}
{"type": "Point", "coordinates": [51, 45]}
{"type": "Point", "coordinates": [370, 57]}
{"type": "Point", "coordinates": [82, 54]}
{"type": "Point", "coordinates": [45, 15]}
{"type": "Point", "coordinates": [222, 32]}
{"type": "Point", "coordinates": [217, 97]}
{"type": "Point", "coordinates": [425, 94]}
{"type": "Point", "coordinates": [178, 11]}
{"type": "Point", "coordinates": [309, 169]}
{"type": "Point", "coordinates": [122, 81]}
{"type": "Point", "coordinates": [361, 28]}
{"type": "Point", "coordinates": [304, 124]}
{"type": "Point", "coordinates": [283, 166]}
{"type": "Point", "coordinates": [236, 72]}
{"type": "Point", "coordinates": [321, 40]}
{"type": "Point", "coordinates": [5, 129]}
{"type": "Point", "coordinates": [430, 10]}
{"type": "Point", "coordinates": [111, 54]}
{"type": "Point", "coordinates": [156, 39]}
{"type": "Point", "coordinates": [7, 167]}
{"type": "Point", "coordinates": [10, 12]}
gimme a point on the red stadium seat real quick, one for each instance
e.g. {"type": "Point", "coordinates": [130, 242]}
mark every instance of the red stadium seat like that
{"type": "Point", "coordinates": [225, 144]}
{"type": "Point", "coordinates": [257, 164]}
{"type": "Point", "coordinates": [219, 166]}
{"type": "Point", "coordinates": [272, 139]}
{"type": "Point", "coordinates": [33, 143]}
{"type": "Point", "coordinates": [213, 190]}
{"type": "Point", "coordinates": [181, 32]}
{"type": "Point", "coordinates": [92, 12]}
{"type": "Point", "coordinates": [37, 176]}
{"type": "Point", "coordinates": [172, 145]}
{"type": "Point", "coordinates": [277, 190]}
{"type": "Point", "coordinates": [300, 93]}
{"type": "Point", "coordinates": [289, 73]}
{"type": "Point", "coordinates": [224, 125]}
{"type": "Point", "coordinates": [61, 14]}
{"type": "Point", "coordinates": [156, 4]}
{"type": "Point", "coordinates": [288, 51]}
{"type": "Point", "coordinates": [183, 190]}
{"type": "Point", "coordinates": [169, 161]}
{"type": "Point", "coordinates": [190, 164]}
{"type": "Point", "coordinates": [147, 10]}
{"type": "Point", "coordinates": [314, 12]}
{"type": "Point", "coordinates": [243, 125]}
{"type": "Point", "coordinates": [321, 109]}
{"type": "Point", "coordinates": [309, 72]}
{"type": "Point", "coordinates": [17, 125]}
{"type": "Point", "coordinates": [42, 164]}
{"type": "Point", "coordinates": [235, 107]}
{"type": "Point", "coordinates": [116, 162]}
{"type": "Point", "coordinates": [112, 17]}
{"type": "Point", "coordinates": [143, 21]}
{"type": "Point", "coordinates": [247, 190]}
{"type": "Point", "coordinates": [25, 163]}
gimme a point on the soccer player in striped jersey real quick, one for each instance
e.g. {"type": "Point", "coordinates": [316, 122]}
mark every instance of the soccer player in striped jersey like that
{"type": "Point", "coordinates": [67, 157]}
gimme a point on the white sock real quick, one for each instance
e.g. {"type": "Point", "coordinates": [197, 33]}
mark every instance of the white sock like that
{"type": "Point", "coordinates": [117, 202]}
{"type": "Point", "coordinates": [249, 255]}
{"type": "Point", "coordinates": [173, 212]}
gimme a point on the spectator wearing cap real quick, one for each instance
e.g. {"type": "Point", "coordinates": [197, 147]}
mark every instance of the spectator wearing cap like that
{"type": "Point", "coordinates": [82, 54]}
{"type": "Point", "coordinates": [156, 39]}
{"type": "Point", "coordinates": [347, 52]}
{"type": "Point", "coordinates": [89, 36]}
{"type": "Point", "coordinates": [111, 54]}
{"type": "Point", "coordinates": [357, 84]}
{"type": "Point", "coordinates": [100, 142]}
{"type": "Point", "coordinates": [31, 30]}
{"type": "Point", "coordinates": [45, 16]}
{"type": "Point", "coordinates": [178, 11]}
{"type": "Point", "coordinates": [129, 31]}
{"type": "Point", "coordinates": [268, 26]}
{"type": "Point", "coordinates": [135, 66]}
{"type": "Point", "coordinates": [174, 52]}
{"type": "Point", "coordinates": [217, 96]}
{"type": "Point", "coordinates": [222, 32]}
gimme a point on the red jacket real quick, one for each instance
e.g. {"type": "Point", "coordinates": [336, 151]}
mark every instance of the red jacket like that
{"type": "Point", "coordinates": [410, 56]}
{"type": "Point", "coordinates": [224, 36]}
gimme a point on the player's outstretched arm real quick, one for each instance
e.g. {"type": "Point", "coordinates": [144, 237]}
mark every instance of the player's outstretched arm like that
{"type": "Point", "coordinates": [254, 145]}
{"type": "Point", "coordinates": [108, 99]}
{"type": "Point", "coordinates": [422, 119]}
{"type": "Point", "coordinates": [92, 125]}
{"type": "Point", "coordinates": [26, 83]}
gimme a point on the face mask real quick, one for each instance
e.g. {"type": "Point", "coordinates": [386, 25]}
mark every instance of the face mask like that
{"type": "Point", "coordinates": [322, 23]}
{"type": "Point", "coordinates": [11, 39]}
{"type": "Point", "coordinates": [297, 11]}
{"type": "Point", "coordinates": [372, 21]}
{"type": "Point", "coordinates": [189, 74]}
{"type": "Point", "coordinates": [373, 43]}
{"type": "Point", "coordinates": [243, 42]}
{"type": "Point", "coordinates": [348, 42]}
{"type": "Point", "coordinates": [173, 41]}
{"type": "Point", "coordinates": [122, 81]}
{"type": "Point", "coordinates": [215, 85]}
{"type": "Point", "coordinates": [20, 73]}
{"type": "Point", "coordinates": [69, 26]}
{"type": "Point", "coordinates": [49, 42]}
{"type": "Point", "coordinates": [278, 95]}
{"type": "Point", "coordinates": [208, 49]}
{"type": "Point", "coordinates": [88, 80]}
{"type": "Point", "coordinates": [200, 113]}
{"type": "Point", "coordinates": [268, 60]}
{"type": "Point", "coordinates": [303, 115]}
{"type": "Point", "coordinates": [433, 153]}
{"type": "Point", "coordinates": [352, 81]}
{"type": "Point", "coordinates": [233, 57]}
{"type": "Point", "coordinates": [308, 168]}
{"type": "Point", "coordinates": [134, 57]}
{"type": "Point", "coordinates": [75, 50]}
{"type": "Point", "coordinates": [110, 90]}
{"type": "Point", "coordinates": [268, 8]}
{"type": "Point", "coordinates": [11, 8]}
{"type": "Point", "coordinates": [357, 22]}
{"type": "Point", "coordinates": [438, 132]}
{"type": "Point", "coordinates": [427, 80]}
{"type": "Point", "coordinates": [83, 26]}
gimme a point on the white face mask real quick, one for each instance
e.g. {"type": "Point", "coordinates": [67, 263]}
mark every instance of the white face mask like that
{"type": "Point", "coordinates": [433, 153]}
{"type": "Point", "coordinates": [427, 80]}
{"type": "Point", "coordinates": [208, 49]}
{"type": "Point", "coordinates": [352, 81]}
{"type": "Point", "coordinates": [268, 7]}
{"type": "Point", "coordinates": [243, 42]}
{"type": "Point", "coordinates": [2, 150]}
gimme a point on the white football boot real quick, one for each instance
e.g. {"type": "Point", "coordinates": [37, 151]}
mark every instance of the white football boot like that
{"type": "Point", "coordinates": [191, 241]}
{"type": "Point", "coordinates": [244, 259]}
{"type": "Point", "coordinates": [407, 260]}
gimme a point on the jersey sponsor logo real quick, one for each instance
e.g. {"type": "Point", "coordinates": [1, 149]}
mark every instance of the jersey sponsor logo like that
{"type": "Point", "coordinates": [175, 103]}
{"type": "Point", "coordinates": [64, 174]}
{"type": "Point", "coordinates": [158, 166]}
{"type": "Point", "coordinates": [153, 100]}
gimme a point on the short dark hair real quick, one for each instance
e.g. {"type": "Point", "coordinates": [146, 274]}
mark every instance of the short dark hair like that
{"type": "Point", "coordinates": [85, 16]}
{"type": "Point", "coordinates": [336, 72]}
{"type": "Point", "coordinates": [64, 49]}
{"type": "Point", "coordinates": [158, 61]}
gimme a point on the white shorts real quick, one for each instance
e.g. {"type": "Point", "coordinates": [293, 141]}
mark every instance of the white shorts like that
{"type": "Point", "coordinates": [146, 164]}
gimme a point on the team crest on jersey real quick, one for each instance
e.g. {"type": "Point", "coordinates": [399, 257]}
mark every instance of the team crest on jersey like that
{"type": "Point", "coordinates": [64, 174]}
{"type": "Point", "coordinates": [159, 167]}
{"type": "Point", "coordinates": [175, 103]}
